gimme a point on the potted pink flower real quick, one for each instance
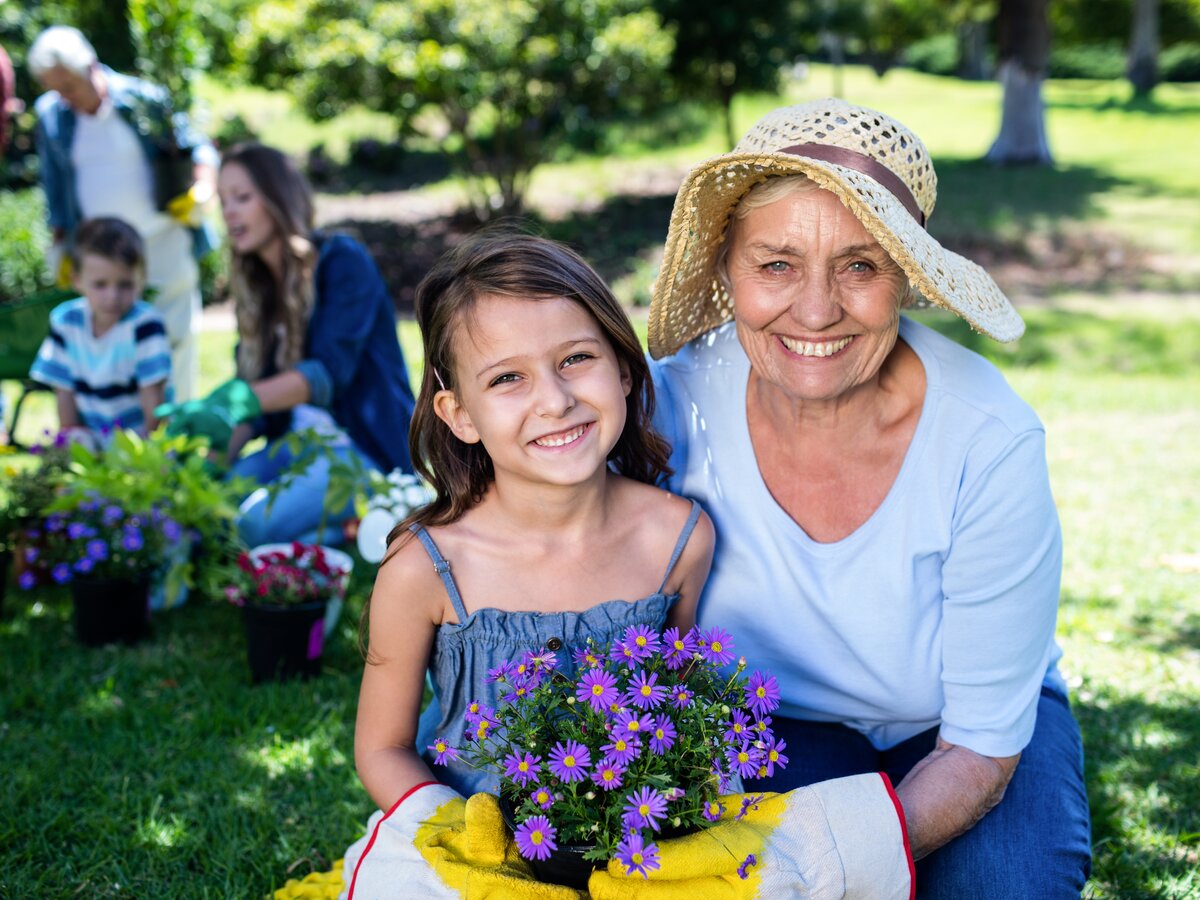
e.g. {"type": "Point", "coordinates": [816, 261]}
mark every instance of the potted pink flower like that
{"type": "Point", "coordinates": [287, 593]}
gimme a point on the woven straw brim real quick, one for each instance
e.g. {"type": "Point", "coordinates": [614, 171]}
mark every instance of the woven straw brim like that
{"type": "Point", "coordinates": [689, 299]}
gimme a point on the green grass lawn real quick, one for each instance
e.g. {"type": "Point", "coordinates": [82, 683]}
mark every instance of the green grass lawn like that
{"type": "Point", "coordinates": [158, 771]}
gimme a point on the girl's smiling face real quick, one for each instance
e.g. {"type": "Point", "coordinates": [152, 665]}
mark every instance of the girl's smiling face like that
{"type": "Point", "coordinates": [538, 383]}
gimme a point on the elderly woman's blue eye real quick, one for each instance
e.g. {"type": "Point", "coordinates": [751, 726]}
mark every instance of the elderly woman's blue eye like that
{"type": "Point", "coordinates": [776, 266]}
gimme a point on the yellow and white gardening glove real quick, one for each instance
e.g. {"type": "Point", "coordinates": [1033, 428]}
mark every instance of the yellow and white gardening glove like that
{"type": "Point", "coordinates": [58, 265]}
{"type": "Point", "coordinates": [435, 845]}
{"type": "Point", "coordinates": [843, 838]}
{"type": "Point", "coordinates": [188, 208]}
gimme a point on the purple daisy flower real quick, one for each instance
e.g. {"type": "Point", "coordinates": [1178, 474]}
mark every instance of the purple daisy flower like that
{"type": "Point", "coordinates": [762, 693]}
{"type": "Point", "coordinates": [54, 523]}
{"type": "Point", "coordinates": [570, 761]}
{"type": "Point", "coordinates": [713, 810]}
{"type": "Point", "coordinates": [31, 554]}
{"type": "Point", "coordinates": [522, 767]}
{"type": "Point", "coordinates": [643, 641]}
{"type": "Point", "coordinates": [131, 540]}
{"type": "Point", "coordinates": [662, 735]}
{"type": "Point", "coordinates": [607, 774]}
{"type": "Point", "coordinates": [717, 646]}
{"type": "Point", "coordinates": [27, 580]}
{"type": "Point", "coordinates": [113, 515]}
{"type": "Point", "coordinates": [501, 672]}
{"type": "Point", "coordinates": [61, 573]}
{"type": "Point", "coordinates": [623, 748]}
{"type": "Point", "coordinates": [598, 689]}
{"type": "Point", "coordinates": [85, 565]}
{"type": "Point", "coordinates": [681, 698]}
{"type": "Point", "coordinates": [631, 724]}
{"type": "Point", "coordinates": [76, 530]}
{"type": "Point", "coordinates": [172, 530]}
{"type": "Point", "coordinates": [644, 808]}
{"type": "Point", "coordinates": [543, 660]}
{"type": "Point", "coordinates": [744, 760]}
{"type": "Point", "coordinates": [96, 550]}
{"type": "Point", "coordinates": [749, 861]}
{"type": "Point", "coordinates": [623, 653]}
{"type": "Point", "coordinates": [474, 711]}
{"type": "Point", "coordinates": [737, 729]}
{"type": "Point", "coordinates": [586, 657]}
{"type": "Point", "coordinates": [748, 803]}
{"type": "Point", "coordinates": [773, 756]}
{"type": "Point", "coordinates": [637, 856]}
{"type": "Point", "coordinates": [542, 797]}
{"type": "Point", "coordinates": [520, 688]}
{"type": "Point", "coordinates": [644, 691]}
{"type": "Point", "coordinates": [535, 838]}
{"type": "Point", "coordinates": [763, 727]}
{"type": "Point", "coordinates": [677, 649]}
{"type": "Point", "coordinates": [444, 752]}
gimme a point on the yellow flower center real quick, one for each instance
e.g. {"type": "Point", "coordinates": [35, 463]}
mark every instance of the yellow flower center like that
{"type": "Point", "coordinates": [640, 640]}
{"type": "Point", "coordinates": [637, 859]}
{"type": "Point", "coordinates": [743, 756]}
{"type": "Point", "coordinates": [658, 733]}
{"type": "Point", "coordinates": [535, 837]}
{"type": "Point", "coordinates": [609, 774]}
{"type": "Point", "coordinates": [569, 761]}
{"type": "Point", "coordinates": [737, 729]}
{"type": "Point", "coordinates": [523, 766]}
{"type": "Point", "coordinates": [646, 690]}
{"type": "Point", "coordinates": [634, 725]}
{"type": "Point", "coordinates": [542, 797]}
{"type": "Point", "coordinates": [716, 646]}
{"type": "Point", "coordinates": [761, 692]}
{"type": "Point", "coordinates": [644, 809]}
{"type": "Point", "coordinates": [678, 645]}
{"type": "Point", "coordinates": [773, 756]}
{"type": "Point", "coordinates": [620, 744]}
{"type": "Point", "coordinates": [597, 689]}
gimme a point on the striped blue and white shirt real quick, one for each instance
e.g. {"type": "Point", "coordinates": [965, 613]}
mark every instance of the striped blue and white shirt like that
{"type": "Point", "coordinates": [104, 373]}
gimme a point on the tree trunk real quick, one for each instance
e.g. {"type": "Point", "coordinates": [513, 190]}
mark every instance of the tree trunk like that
{"type": "Point", "coordinates": [972, 51]}
{"type": "Point", "coordinates": [1143, 47]}
{"type": "Point", "coordinates": [1023, 32]}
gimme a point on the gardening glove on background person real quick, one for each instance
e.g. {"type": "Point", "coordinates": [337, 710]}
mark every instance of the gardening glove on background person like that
{"type": "Point", "coordinates": [843, 838]}
{"type": "Point", "coordinates": [435, 844]}
{"type": "Point", "coordinates": [188, 208]}
{"type": "Point", "coordinates": [58, 265]}
{"type": "Point", "coordinates": [214, 416]}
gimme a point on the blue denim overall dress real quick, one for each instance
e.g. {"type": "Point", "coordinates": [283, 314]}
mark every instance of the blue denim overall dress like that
{"type": "Point", "coordinates": [482, 640]}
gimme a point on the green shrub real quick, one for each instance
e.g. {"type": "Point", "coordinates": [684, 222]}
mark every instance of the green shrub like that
{"type": "Point", "coordinates": [1180, 63]}
{"type": "Point", "coordinates": [23, 247]}
{"type": "Point", "coordinates": [1101, 61]}
{"type": "Point", "coordinates": [937, 55]}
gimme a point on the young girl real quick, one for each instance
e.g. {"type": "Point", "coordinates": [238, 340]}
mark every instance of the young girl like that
{"type": "Point", "coordinates": [532, 426]}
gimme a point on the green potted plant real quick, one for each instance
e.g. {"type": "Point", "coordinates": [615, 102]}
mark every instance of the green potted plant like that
{"type": "Point", "coordinates": [171, 473]}
{"type": "Point", "coordinates": [28, 487]}
{"type": "Point", "coordinates": [285, 591]}
{"type": "Point", "coordinates": [108, 555]}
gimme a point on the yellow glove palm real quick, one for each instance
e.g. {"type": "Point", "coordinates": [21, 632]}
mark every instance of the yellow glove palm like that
{"type": "Point", "coordinates": [188, 208]}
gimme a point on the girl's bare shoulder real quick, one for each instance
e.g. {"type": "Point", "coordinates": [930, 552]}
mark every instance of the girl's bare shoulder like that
{"type": "Point", "coordinates": [407, 583]}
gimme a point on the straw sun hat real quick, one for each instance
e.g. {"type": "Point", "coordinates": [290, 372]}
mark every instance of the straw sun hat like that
{"type": "Point", "coordinates": [877, 167]}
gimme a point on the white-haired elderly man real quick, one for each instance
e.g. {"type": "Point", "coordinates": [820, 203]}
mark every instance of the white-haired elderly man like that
{"type": "Point", "coordinates": [106, 141]}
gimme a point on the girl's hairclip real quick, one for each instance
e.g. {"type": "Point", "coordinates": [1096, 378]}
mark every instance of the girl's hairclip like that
{"type": "Point", "coordinates": [438, 376]}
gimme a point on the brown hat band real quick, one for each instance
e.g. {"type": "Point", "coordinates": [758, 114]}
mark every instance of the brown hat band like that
{"type": "Point", "coordinates": [860, 162]}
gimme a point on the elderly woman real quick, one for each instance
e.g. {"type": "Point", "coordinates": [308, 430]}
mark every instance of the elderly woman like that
{"type": "Point", "coordinates": [888, 545]}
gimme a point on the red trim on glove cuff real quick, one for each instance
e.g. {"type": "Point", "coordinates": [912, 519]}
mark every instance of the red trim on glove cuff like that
{"type": "Point", "coordinates": [912, 866]}
{"type": "Point", "coordinates": [375, 833]}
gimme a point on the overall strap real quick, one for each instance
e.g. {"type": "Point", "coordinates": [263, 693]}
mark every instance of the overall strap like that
{"type": "Point", "coordinates": [692, 518]}
{"type": "Point", "coordinates": [441, 565]}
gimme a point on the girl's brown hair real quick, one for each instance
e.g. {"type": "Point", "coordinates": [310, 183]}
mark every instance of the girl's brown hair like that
{"type": "Point", "coordinates": [259, 303]}
{"type": "Point", "coordinates": [511, 264]}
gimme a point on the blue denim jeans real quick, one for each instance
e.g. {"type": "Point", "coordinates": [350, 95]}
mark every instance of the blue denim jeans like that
{"type": "Point", "coordinates": [1036, 843]}
{"type": "Point", "coordinates": [296, 513]}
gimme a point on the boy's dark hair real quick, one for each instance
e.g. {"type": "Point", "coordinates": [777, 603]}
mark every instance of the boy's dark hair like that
{"type": "Point", "coordinates": [110, 238]}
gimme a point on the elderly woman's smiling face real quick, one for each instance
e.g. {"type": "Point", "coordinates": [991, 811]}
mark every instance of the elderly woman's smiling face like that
{"type": "Point", "coordinates": [816, 299]}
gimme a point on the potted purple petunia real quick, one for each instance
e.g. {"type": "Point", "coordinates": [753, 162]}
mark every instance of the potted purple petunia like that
{"type": "Point", "coordinates": [108, 555]}
{"type": "Point", "coordinates": [643, 742]}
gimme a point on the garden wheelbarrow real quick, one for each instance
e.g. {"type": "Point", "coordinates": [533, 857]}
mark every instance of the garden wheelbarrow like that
{"type": "Point", "coordinates": [24, 324]}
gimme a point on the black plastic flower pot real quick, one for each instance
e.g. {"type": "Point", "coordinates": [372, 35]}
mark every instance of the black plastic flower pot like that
{"type": "Point", "coordinates": [111, 610]}
{"type": "Point", "coordinates": [284, 642]}
{"type": "Point", "coordinates": [565, 865]}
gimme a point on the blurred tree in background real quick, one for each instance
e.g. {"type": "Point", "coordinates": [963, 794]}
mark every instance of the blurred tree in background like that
{"type": "Point", "coordinates": [498, 84]}
{"type": "Point", "coordinates": [169, 45]}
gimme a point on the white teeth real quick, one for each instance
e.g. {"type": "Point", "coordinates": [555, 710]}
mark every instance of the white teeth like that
{"type": "Point", "coordinates": [820, 349]}
{"type": "Point", "coordinates": [561, 440]}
